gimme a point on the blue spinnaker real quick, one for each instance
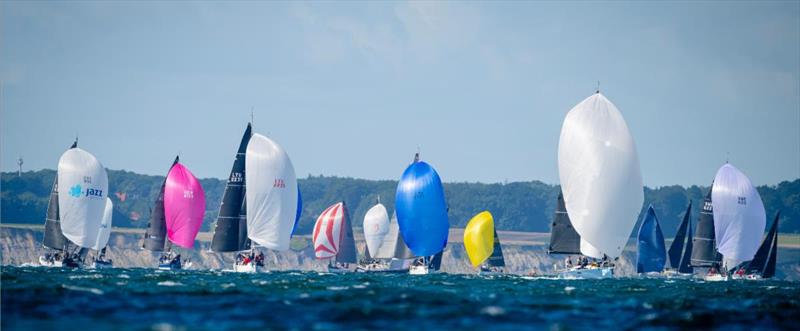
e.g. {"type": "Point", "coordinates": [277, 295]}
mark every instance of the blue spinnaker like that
{"type": "Point", "coordinates": [422, 210]}
{"type": "Point", "coordinates": [652, 253]}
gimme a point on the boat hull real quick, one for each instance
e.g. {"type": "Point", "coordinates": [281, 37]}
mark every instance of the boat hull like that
{"type": "Point", "coordinates": [169, 266]}
{"type": "Point", "coordinates": [247, 268]}
{"type": "Point", "coordinates": [420, 270]}
{"type": "Point", "coordinates": [587, 273]}
{"type": "Point", "coordinates": [715, 278]}
{"type": "Point", "coordinates": [338, 270]}
{"type": "Point", "coordinates": [102, 265]}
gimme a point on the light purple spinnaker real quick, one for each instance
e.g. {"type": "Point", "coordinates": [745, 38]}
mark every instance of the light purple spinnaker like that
{"type": "Point", "coordinates": [184, 206]}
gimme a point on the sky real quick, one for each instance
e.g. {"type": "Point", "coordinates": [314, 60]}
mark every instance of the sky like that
{"type": "Point", "coordinates": [355, 89]}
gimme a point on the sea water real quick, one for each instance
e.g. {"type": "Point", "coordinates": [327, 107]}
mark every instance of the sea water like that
{"type": "Point", "coordinates": [38, 298]}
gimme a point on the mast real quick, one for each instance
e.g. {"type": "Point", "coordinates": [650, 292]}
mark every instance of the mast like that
{"type": "Point", "coordinates": [675, 252]}
{"type": "Point", "coordinates": [563, 237]}
{"type": "Point", "coordinates": [156, 234]}
{"type": "Point", "coordinates": [230, 231]}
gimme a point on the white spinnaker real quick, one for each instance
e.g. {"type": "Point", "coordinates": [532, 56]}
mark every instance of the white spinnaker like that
{"type": "Point", "coordinates": [271, 193]}
{"type": "Point", "coordinates": [588, 250]}
{"type": "Point", "coordinates": [600, 175]}
{"type": "Point", "coordinates": [82, 193]}
{"type": "Point", "coordinates": [389, 243]}
{"type": "Point", "coordinates": [376, 226]}
{"type": "Point", "coordinates": [105, 227]}
{"type": "Point", "coordinates": [739, 216]}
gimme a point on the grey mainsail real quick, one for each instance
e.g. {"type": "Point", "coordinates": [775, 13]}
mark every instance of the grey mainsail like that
{"type": "Point", "coordinates": [53, 237]}
{"type": "Point", "coordinates": [764, 261]}
{"type": "Point", "coordinates": [497, 259]}
{"type": "Point", "coordinates": [705, 252]}
{"type": "Point", "coordinates": [156, 235]}
{"type": "Point", "coordinates": [680, 250]}
{"type": "Point", "coordinates": [230, 231]}
{"type": "Point", "coordinates": [563, 237]}
{"type": "Point", "coordinates": [347, 245]}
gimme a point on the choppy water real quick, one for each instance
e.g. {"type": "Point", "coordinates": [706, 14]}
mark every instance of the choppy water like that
{"type": "Point", "coordinates": [36, 298]}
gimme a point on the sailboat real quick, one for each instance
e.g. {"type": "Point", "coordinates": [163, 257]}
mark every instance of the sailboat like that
{"type": "Point", "coordinates": [333, 238]}
{"type": "Point", "coordinates": [651, 251]}
{"type": "Point", "coordinates": [392, 254]}
{"type": "Point", "coordinates": [76, 209]}
{"type": "Point", "coordinates": [483, 245]}
{"type": "Point", "coordinates": [705, 253]}
{"type": "Point", "coordinates": [680, 251]}
{"type": "Point", "coordinates": [763, 264]}
{"type": "Point", "coordinates": [422, 215]}
{"type": "Point", "coordinates": [100, 261]}
{"type": "Point", "coordinates": [601, 182]}
{"type": "Point", "coordinates": [177, 216]}
{"type": "Point", "coordinates": [376, 227]}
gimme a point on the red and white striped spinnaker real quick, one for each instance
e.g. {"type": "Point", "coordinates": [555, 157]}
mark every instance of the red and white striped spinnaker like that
{"type": "Point", "coordinates": [333, 235]}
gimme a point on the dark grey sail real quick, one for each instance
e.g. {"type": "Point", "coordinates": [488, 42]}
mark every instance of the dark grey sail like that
{"type": "Point", "coordinates": [675, 252]}
{"type": "Point", "coordinates": [347, 245]}
{"type": "Point", "coordinates": [563, 237]}
{"type": "Point", "coordinates": [764, 261]}
{"type": "Point", "coordinates": [497, 259]}
{"type": "Point", "coordinates": [436, 261]}
{"type": "Point", "coordinates": [705, 245]}
{"type": "Point", "coordinates": [156, 234]}
{"type": "Point", "coordinates": [230, 231]}
{"type": "Point", "coordinates": [686, 259]}
{"type": "Point", "coordinates": [53, 237]}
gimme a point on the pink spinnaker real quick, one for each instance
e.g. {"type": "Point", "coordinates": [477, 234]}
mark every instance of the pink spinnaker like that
{"type": "Point", "coordinates": [184, 206]}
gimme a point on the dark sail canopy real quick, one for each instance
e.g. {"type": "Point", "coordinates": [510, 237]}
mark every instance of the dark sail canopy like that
{"type": "Point", "coordinates": [436, 261]}
{"type": "Point", "coordinates": [156, 235]}
{"type": "Point", "coordinates": [347, 245]}
{"type": "Point", "coordinates": [704, 242]}
{"type": "Point", "coordinates": [230, 232]}
{"type": "Point", "coordinates": [676, 249]}
{"type": "Point", "coordinates": [563, 238]}
{"type": "Point", "coordinates": [686, 259]}
{"type": "Point", "coordinates": [53, 237]}
{"type": "Point", "coordinates": [763, 262]}
{"type": "Point", "coordinates": [497, 259]}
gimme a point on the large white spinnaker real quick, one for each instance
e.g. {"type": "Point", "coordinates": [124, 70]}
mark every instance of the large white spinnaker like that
{"type": "Point", "coordinates": [105, 227]}
{"type": "Point", "coordinates": [739, 216]}
{"type": "Point", "coordinates": [82, 193]}
{"type": "Point", "coordinates": [271, 193]}
{"type": "Point", "coordinates": [600, 176]}
{"type": "Point", "coordinates": [588, 250]}
{"type": "Point", "coordinates": [376, 227]}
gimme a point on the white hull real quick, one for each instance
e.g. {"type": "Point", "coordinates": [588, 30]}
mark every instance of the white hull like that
{"type": "Point", "coordinates": [247, 268]}
{"type": "Point", "coordinates": [715, 278]}
{"type": "Point", "coordinates": [46, 263]}
{"type": "Point", "coordinates": [101, 265]}
{"type": "Point", "coordinates": [420, 270]}
{"type": "Point", "coordinates": [587, 273]}
{"type": "Point", "coordinates": [675, 274]}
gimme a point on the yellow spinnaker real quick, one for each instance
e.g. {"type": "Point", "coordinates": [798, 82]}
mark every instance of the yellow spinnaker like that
{"type": "Point", "coordinates": [479, 238]}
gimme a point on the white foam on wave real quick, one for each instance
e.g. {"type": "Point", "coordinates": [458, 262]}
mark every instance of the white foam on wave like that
{"type": "Point", "coordinates": [337, 288]}
{"type": "Point", "coordinates": [83, 289]}
{"type": "Point", "coordinates": [169, 283]}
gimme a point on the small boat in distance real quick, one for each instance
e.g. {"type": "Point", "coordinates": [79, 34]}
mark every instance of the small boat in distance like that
{"type": "Point", "coordinates": [422, 215]}
{"type": "Point", "coordinates": [763, 264]}
{"type": "Point", "coordinates": [482, 244]}
{"type": "Point", "coordinates": [333, 239]}
{"type": "Point", "coordinates": [680, 250]}
{"type": "Point", "coordinates": [565, 240]}
{"type": "Point", "coordinates": [651, 251]}
{"type": "Point", "coordinates": [393, 255]}
{"type": "Point", "coordinates": [76, 210]}
{"type": "Point", "coordinates": [601, 182]}
{"type": "Point", "coordinates": [99, 261]}
{"type": "Point", "coordinates": [177, 216]}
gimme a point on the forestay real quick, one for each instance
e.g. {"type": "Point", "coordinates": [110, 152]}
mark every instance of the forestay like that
{"type": "Point", "coordinates": [739, 216]}
{"type": "Point", "coordinates": [83, 188]}
{"type": "Point", "coordinates": [271, 194]}
{"type": "Point", "coordinates": [600, 176]}
{"type": "Point", "coordinates": [184, 206]}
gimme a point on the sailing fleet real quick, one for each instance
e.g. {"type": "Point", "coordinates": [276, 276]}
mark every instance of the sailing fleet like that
{"type": "Point", "coordinates": [597, 209]}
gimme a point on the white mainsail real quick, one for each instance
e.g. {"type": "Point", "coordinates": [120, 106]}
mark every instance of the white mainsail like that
{"type": "Point", "coordinates": [271, 193]}
{"type": "Point", "coordinates": [82, 193]}
{"type": "Point", "coordinates": [600, 176]}
{"type": "Point", "coordinates": [739, 216]}
{"type": "Point", "coordinates": [105, 226]}
{"type": "Point", "coordinates": [389, 243]}
{"type": "Point", "coordinates": [376, 227]}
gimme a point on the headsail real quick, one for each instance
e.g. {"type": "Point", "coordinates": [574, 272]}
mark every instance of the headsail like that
{"type": "Point", "coordinates": [600, 176]}
{"type": "Point", "coordinates": [422, 210]}
{"type": "Point", "coordinates": [652, 254]}
{"type": "Point", "coordinates": [739, 216]}
{"type": "Point", "coordinates": [764, 261]}
{"type": "Point", "coordinates": [105, 227]}
{"type": "Point", "coordinates": [83, 189]}
{"type": "Point", "coordinates": [156, 235]}
{"type": "Point", "coordinates": [376, 227]}
{"type": "Point", "coordinates": [184, 206]}
{"type": "Point", "coordinates": [230, 231]}
{"type": "Point", "coordinates": [704, 242]}
{"type": "Point", "coordinates": [271, 193]}
{"type": "Point", "coordinates": [479, 238]}
{"type": "Point", "coordinates": [563, 238]}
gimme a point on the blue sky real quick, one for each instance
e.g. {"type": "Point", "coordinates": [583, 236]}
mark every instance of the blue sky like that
{"type": "Point", "coordinates": [353, 89]}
